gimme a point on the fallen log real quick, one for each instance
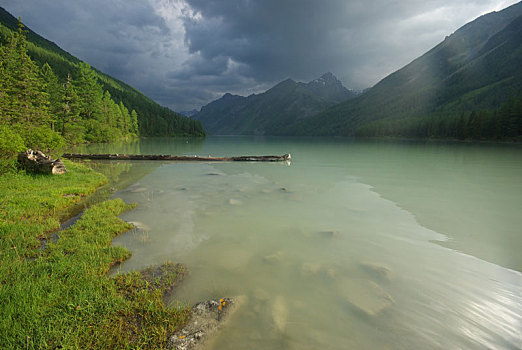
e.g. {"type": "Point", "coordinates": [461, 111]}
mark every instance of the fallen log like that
{"type": "Point", "coordinates": [117, 156]}
{"type": "Point", "coordinates": [37, 162]}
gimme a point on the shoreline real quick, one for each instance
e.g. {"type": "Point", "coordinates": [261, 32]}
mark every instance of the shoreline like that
{"type": "Point", "coordinates": [60, 295]}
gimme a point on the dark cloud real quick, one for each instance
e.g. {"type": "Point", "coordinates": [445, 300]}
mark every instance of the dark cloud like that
{"type": "Point", "coordinates": [184, 53]}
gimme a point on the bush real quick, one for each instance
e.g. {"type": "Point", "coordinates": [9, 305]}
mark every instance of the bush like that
{"type": "Point", "coordinates": [10, 144]}
{"type": "Point", "coordinates": [74, 134]}
{"type": "Point", "coordinates": [41, 138]}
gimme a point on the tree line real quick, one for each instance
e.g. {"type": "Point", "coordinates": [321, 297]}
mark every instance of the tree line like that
{"type": "Point", "coordinates": [39, 110]}
{"type": "Point", "coordinates": [499, 124]}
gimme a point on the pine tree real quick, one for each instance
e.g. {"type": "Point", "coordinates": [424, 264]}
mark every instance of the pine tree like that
{"type": "Point", "coordinates": [134, 122]}
{"type": "Point", "coordinates": [69, 106]}
{"type": "Point", "coordinates": [54, 92]}
{"type": "Point", "coordinates": [90, 93]}
{"type": "Point", "coordinates": [25, 100]}
{"type": "Point", "coordinates": [125, 119]}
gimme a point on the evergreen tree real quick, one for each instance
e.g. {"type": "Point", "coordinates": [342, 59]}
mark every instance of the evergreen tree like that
{"type": "Point", "coordinates": [54, 92]}
{"type": "Point", "coordinates": [90, 93]}
{"type": "Point", "coordinates": [125, 119]}
{"type": "Point", "coordinates": [69, 106]}
{"type": "Point", "coordinates": [134, 122]}
{"type": "Point", "coordinates": [24, 97]}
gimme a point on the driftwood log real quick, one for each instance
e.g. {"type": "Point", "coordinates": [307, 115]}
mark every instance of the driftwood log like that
{"type": "Point", "coordinates": [116, 156]}
{"type": "Point", "coordinates": [37, 162]}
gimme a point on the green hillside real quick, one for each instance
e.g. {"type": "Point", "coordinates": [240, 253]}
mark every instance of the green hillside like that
{"type": "Point", "coordinates": [154, 120]}
{"type": "Point", "coordinates": [468, 86]}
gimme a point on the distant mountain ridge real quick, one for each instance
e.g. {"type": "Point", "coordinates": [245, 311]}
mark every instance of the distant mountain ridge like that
{"type": "Point", "coordinates": [477, 67]}
{"type": "Point", "coordinates": [265, 113]}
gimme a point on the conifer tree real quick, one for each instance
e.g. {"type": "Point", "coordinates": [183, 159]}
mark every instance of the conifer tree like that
{"type": "Point", "coordinates": [24, 96]}
{"type": "Point", "coordinates": [125, 119]}
{"type": "Point", "coordinates": [134, 122]}
{"type": "Point", "coordinates": [54, 92]}
{"type": "Point", "coordinates": [69, 106]}
{"type": "Point", "coordinates": [90, 93]}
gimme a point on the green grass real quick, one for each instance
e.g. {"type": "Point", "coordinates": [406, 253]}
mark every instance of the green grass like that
{"type": "Point", "coordinates": [59, 296]}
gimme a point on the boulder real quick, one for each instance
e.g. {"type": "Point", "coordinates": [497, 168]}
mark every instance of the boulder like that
{"type": "Point", "coordinates": [280, 313]}
{"type": "Point", "coordinates": [365, 296]}
{"type": "Point", "coordinates": [207, 318]}
{"type": "Point", "coordinates": [378, 271]}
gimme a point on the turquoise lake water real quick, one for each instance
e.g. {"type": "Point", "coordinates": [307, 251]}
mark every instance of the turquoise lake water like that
{"type": "Point", "coordinates": [353, 245]}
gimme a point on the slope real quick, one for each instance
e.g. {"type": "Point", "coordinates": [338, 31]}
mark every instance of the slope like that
{"type": "Point", "coordinates": [477, 67]}
{"type": "Point", "coordinates": [154, 120]}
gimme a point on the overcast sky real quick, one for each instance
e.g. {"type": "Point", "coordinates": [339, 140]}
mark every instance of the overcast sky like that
{"type": "Point", "coordinates": [186, 53]}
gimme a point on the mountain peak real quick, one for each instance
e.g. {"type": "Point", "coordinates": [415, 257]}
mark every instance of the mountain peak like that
{"type": "Point", "coordinates": [327, 79]}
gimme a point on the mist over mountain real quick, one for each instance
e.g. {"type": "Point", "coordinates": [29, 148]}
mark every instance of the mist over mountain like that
{"type": "Point", "coordinates": [268, 112]}
{"type": "Point", "coordinates": [477, 69]}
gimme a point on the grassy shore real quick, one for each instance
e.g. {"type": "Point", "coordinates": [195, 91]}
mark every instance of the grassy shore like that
{"type": "Point", "coordinates": [54, 293]}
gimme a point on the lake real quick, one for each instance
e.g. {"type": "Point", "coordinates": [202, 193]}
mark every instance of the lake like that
{"type": "Point", "coordinates": [356, 244]}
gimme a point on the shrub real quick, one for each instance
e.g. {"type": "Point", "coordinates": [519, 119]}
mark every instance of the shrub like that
{"type": "Point", "coordinates": [10, 144]}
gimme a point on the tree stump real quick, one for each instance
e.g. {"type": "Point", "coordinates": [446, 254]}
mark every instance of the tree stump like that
{"type": "Point", "coordinates": [37, 162]}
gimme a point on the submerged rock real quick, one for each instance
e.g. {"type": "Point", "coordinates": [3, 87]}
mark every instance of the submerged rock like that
{"type": "Point", "coordinates": [273, 258]}
{"type": "Point", "coordinates": [316, 269]}
{"type": "Point", "coordinates": [280, 313]}
{"type": "Point", "coordinates": [377, 270]}
{"type": "Point", "coordinates": [330, 234]}
{"type": "Point", "coordinates": [365, 296]}
{"type": "Point", "coordinates": [138, 190]}
{"type": "Point", "coordinates": [207, 318]}
{"type": "Point", "coordinates": [140, 225]}
{"type": "Point", "coordinates": [233, 201]}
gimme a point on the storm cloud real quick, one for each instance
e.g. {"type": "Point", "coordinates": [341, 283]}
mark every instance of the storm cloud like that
{"type": "Point", "coordinates": [185, 53]}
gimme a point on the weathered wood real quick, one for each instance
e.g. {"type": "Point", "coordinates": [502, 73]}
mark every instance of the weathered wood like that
{"type": "Point", "coordinates": [37, 162]}
{"type": "Point", "coordinates": [117, 156]}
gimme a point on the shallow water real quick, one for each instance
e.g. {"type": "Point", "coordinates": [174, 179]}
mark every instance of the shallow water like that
{"type": "Point", "coordinates": [356, 244]}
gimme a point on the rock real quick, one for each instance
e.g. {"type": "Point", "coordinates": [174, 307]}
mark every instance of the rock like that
{"type": "Point", "coordinates": [37, 162]}
{"type": "Point", "coordinates": [280, 313]}
{"type": "Point", "coordinates": [233, 201]}
{"type": "Point", "coordinates": [330, 234]}
{"type": "Point", "coordinates": [207, 318]}
{"type": "Point", "coordinates": [365, 296]}
{"type": "Point", "coordinates": [138, 189]}
{"type": "Point", "coordinates": [140, 225]}
{"type": "Point", "coordinates": [379, 271]}
{"type": "Point", "coordinates": [317, 269]}
{"type": "Point", "coordinates": [273, 258]}
{"type": "Point", "coordinates": [311, 268]}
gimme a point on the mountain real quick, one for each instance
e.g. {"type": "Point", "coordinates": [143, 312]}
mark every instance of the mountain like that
{"type": "Point", "coordinates": [266, 113]}
{"type": "Point", "coordinates": [188, 113]}
{"type": "Point", "coordinates": [477, 68]}
{"type": "Point", "coordinates": [154, 120]}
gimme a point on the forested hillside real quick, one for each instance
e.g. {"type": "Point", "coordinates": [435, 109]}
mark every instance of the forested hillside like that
{"type": "Point", "coordinates": [468, 86]}
{"type": "Point", "coordinates": [37, 111]}
{"type": "Point", "coordinates": [153, 119]}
